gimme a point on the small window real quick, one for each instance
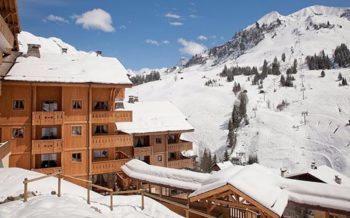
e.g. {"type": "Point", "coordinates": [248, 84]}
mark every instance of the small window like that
{"type": "Point", "coordinates": [49, 106]}
{"type": "Point", "coordinates": [119, 105]}
{"type": "Point", "coordinates": [158, 140]}
{"type": "Point", "coordinates": [101, 129]}
{"type": "Point", "coordinates": [17, 133]}
{"type": "Point", "coordinates": [77, 104]}
{"type": "Point", "coordinates": [49, 133]}
{"type": "Point", "coordinates": [159, 157]}
{"type": "Point", "coordinates": [76, 130]}
{"type": "Point", "coordinates": [18, 105]}
{"type": "Point", "coordinates": [100, 154]}
{"type": "Point", "coordinates": [76, 157]}
{"type": "Point", "coordinates": [100, 105]}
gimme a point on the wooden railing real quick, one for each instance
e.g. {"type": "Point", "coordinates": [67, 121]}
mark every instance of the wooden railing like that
{"type": "Point", "coordinates": [4, 149]}
{"type": "Point", "coordinates": [181, 163]}
{"type": "Point", "coordinates": [111, 116]}
{"type": "Point", "coordinates": [108, 166]}
{"type": "Point", "coordinates": [181, 146]}
{"type": "Point", "coordinates": [143, 151]}
{"type": "Point", "coordinates": [47, 118]}
{"type": "Point", "coordinates": [47, 146]}
{"type": "Point", "coordinates": [111, 141]}
{"type": "Point", "coordinates": [6, 32]}
{"type": "Point", "coordinates": [50, 170]}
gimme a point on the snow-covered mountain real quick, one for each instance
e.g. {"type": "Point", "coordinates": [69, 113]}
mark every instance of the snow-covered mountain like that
{"type": "Point", "coordinates": [278, 137]}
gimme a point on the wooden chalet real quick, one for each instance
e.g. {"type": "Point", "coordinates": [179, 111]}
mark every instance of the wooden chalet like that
{"type": "Point", "coordinates": [242, 191]}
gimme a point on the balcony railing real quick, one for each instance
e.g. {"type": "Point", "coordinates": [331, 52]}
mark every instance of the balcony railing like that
{"type": "Point", "coordinates": [4, 149]}
{"type": "Point", "coordinates": [143, 151]}
{"type": "Point", "coordinates": [111, 141]}
{"type": "Point", "coordinates": [180, 163]}
{"type": "Point", "coordinates": [47, 118]}
{"type": "Point", "coordinates": [111, 116]}
{"type": "Point", "coordinates": [49, 170]}
{"type": "Point", "coordinates": [47, 146]}
{"type": "Point", "coordinates": [181, 146]}
{"type": "Point", "coordinates": [8, 43]}
{"type": "Point", "coordinates": [108, 166]}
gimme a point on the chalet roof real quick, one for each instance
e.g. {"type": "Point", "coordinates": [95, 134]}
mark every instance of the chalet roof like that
{"type": "Point", "coordinates": [71, 67]}
{"type": "Point", "coordinates": [325, 174]}
{"type": "Point", "coordinates": [224, 165]}
{"type": "Point", "coordinates": [154, 116]}
{"type": "Point", "coordinates": [182, 179]}
{"type": "Point", "coordinates": [258, 182]}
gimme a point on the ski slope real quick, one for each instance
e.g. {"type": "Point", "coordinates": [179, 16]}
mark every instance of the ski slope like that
{"type": "Point", "coordinates": [278, 137]}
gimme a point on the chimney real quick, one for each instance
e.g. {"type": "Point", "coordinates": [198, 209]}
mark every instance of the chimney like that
{"type": "Point", "coordinates": [283, 171]}
{"type": "Point", "coordinates": [131, 99]}
{"type": "Point", "coordinates": [98, 53]}
{"type": "Point", "coordinates": [337, 179]}
{"type": "Point", "coordinates": [64, 50]}
{"type": "Point", "coordinates": [33, 50]}
{"type": "Point", "coordinates": [313, 165]}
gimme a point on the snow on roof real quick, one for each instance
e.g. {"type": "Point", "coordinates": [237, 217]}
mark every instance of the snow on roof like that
{"type": "Point", "coordinates": [72, 203]}
{"type": "Point", "coordinates": [224, 165]}
{"type": "Point", "coordinates": [154, 116]}
{"type": "Point", "coordinates": [71, 67]}
{"type": "Point", "coordinates": [274, 192]}
{"type": "Point", "coordinates": [182, 179]}
{"type": "Point", "coordinates": [325, 174]}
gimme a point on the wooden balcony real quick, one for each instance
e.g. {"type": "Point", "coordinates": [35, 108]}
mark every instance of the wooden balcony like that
{"type": "Point", "coordinates": [7, 39]}
{"type": "Point", "coordinates": [47, 118]}
{"type": "Point", "coordinates": [108, 166]}
{"type": "Point", "coordinates": [181, 146]}
{"type": "Point", "coordinates": [111, 116]}
{"type": "Point", "coordinates": [143, 151]}
{"type": "Point", "coordinates": [47, 146]}
{"type": "Point", "coordinates": [181, 163]}
{"type": "Point", "coordinates": [111, 141]}
{"type": "Point", "coordinates": [49, 170]}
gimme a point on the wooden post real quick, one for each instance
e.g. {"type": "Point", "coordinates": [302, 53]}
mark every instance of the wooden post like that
{"type": "Point", "coordinates": [88, 192]}
{"type": "Point", "coordinates": [149, 188]}
{"type": "Point", "coordinates": [188, 207]}
{"type": "Point", "coordinates": [59, 185]}
{"type": "Point", "coordinates": [111, 198]}
{"type": "Point", "coordinates": [142, 200]}
{"type": "Point", "coordinates": [160, 191]}
{"type": "Point", "coordinates": [25, 182]}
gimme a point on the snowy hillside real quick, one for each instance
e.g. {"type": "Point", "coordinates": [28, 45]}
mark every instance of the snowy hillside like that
{"type": "Point", "coordinates": [72, 203]}
{"type": "Point", "coordinates": [278, 137]}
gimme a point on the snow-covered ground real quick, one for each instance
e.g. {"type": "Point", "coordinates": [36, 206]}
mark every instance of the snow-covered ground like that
{"type": "Point", "coordinates": [72, 203]}
{"type": "Point", "coordinates": [278, 137]}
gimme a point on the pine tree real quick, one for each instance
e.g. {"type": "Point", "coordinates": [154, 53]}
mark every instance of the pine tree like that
{"type": "Point", "coordinates": [283, 57]}
{"type": "Point", "coordinates": [226, 156]}
{"type": "Point", "coordinates": [283, 81]}
{"type": "Point", "coordinates": [340, 77]}
{"type": "Point", "coordinates": [342, 56]}
{"type": "Point", "coordinates": [214, 159]}
{"type": "Point", "coordinates": [344, 82]}
{"type": "Point", "coordinates": [275, 67]}
{"type": "Point", "coordinates": [265, 70]}
{"type": "Point", "coordinates": [323, 74]}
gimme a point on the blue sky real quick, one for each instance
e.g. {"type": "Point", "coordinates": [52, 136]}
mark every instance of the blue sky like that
{"type": "Point", "coordinates": [150, 33]}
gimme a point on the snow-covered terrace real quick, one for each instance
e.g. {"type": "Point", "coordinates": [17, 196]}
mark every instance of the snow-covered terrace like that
{"type": "Point", "coordinates": [259, 183]}
{"type": "Point", "coordinates": [154, 117]}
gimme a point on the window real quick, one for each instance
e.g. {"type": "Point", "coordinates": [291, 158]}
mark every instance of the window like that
{"type": "Point", "coordinates": [172, 139]}
{"type": "Point", "coordinates": [18, 105]}
{"type": "Point", "coordinates": [101, 129]}
{"type": "Point", "coordinates": [158, 140]}
{"type": "Point", "coordinates": [49, 106]}
{"type": "Point", "coordinates": [48, 160]}
{"type": "Point", "coordinates": [100, 153]}
{"type": "Point", "coordinates": [76, 157]}
{"type": "Point", "coordinates": [159, 157]}
{"type": "Point", "coordinates": [101, 105]}
{"type": "Point", "coordinates": [119, 105]}
{"type": "Point", "coordinates": [49, 133]}
{"type": "Point", "coordinates": [76, 130]}
{"type": "Point", "coordinates": [77, 104]}
{"type": "Point", "coordinates": [17, 133]}
{"type": "Point", "coordinates": [172, 155]}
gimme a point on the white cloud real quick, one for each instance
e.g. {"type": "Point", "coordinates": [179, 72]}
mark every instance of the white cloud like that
{"type": "Point", "coordinates": [55, 18]}
{"type": "Point", "coordinates": [202, 38]}
{"type": "Point", "coordinates": [190, 47]}
{"type": "Point", "coordinates": [172, 15]}
{"type": "Point", "coordinates": [152, 42]}
{"type": "Point", "coordinates": [95, 19]}
{"type": "Point", "coordinates": [156, 43]}
{"type": "Point", "coordinates": [176, 23]}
